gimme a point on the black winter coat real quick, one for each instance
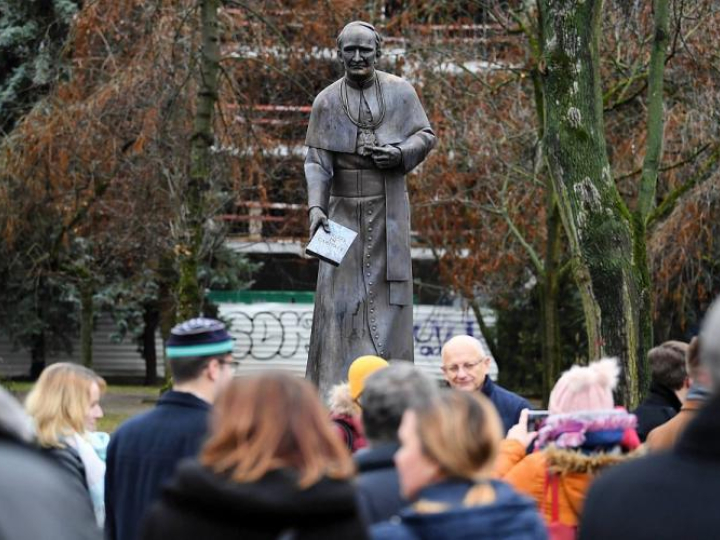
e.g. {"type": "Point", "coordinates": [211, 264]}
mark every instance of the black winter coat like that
{"type": "Point", "coordinates": [659, 406]}
{"type": "Point", "coordinates": [662, 496]}
{"type": "Point", "coordinates": [378, 484]}
{"type": "Point", "coordinates": [202, 504]}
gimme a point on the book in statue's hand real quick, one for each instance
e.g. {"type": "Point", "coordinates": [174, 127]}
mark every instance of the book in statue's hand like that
{"type": "Point", "coordinates": [332, 246]}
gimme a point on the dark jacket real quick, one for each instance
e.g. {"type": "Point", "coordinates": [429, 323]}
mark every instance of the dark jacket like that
{"type": "Point", "coordinates": [36, 499]}
{"type": "Point", "coordinates": [143, 454]}
{"type": "Point", "coordinates": [202, 504]}
{"type": "Point", "coordinates": [660, 405]}
{"type": "Point", "coordinates": [70, 462]}
{"type": "Point", "coordinates": [668, 495]}
{"type": "Point", "coordinates": [509, 517]}
{"type": "Point", "coordinates": [507, 403]}
{"type": "Point", "coordinates": [378, 484]}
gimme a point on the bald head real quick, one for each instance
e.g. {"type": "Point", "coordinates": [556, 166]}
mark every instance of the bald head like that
{"type": "Point", "coordinates": [464, 363]}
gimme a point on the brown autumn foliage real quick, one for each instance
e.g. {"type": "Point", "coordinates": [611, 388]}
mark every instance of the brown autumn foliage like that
{"type": "Point", "coordinates": [106, 154]}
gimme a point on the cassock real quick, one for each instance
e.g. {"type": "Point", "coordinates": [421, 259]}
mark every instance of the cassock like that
{"type": "Point", "coordinates": [364, 306]}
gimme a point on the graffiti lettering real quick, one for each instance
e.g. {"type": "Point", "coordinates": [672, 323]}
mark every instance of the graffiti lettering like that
{"type": "Point", "coordinates": [432, 333]}
{"type": "Point", "coordinates": [275, 333]}
{"type": "Point", "coordinates": [265, 335]}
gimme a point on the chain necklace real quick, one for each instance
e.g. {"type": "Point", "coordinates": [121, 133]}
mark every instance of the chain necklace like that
{"type": "Point", "coordinates": [367, 139]}
{"type": "Point", "coordinates": [372, 126]}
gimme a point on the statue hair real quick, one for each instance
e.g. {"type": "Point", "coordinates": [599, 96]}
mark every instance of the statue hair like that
{"type": "Point", "coordinates": [378, 38]}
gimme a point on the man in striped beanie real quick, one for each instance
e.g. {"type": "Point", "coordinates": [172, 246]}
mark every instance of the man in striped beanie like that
{"type": "Point", "coordinates": [144, 451]}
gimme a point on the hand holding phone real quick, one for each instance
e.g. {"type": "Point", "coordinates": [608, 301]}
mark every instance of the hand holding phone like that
{"type": "Point", "coordinates": [535, 419]}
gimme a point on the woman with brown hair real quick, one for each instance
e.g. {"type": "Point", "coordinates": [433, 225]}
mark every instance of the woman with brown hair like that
{"type": "Point", "coordinates": [445, 461]}
{"type": "Point", "coordinates": [273, 467]}
{"type": "Point", "coordinates": [65, 406]}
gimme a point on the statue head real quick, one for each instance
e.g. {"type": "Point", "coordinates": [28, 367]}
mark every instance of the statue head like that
{"type": "Point", "coordinates": [358, 47]}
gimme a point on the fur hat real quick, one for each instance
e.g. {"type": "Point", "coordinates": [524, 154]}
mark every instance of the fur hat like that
{"type": "Point", "coordinates": [340, 402]}
{"type": "Point", "coordinates": [360, 369]}
{"type": "Point", "coordinates": [586, 388]}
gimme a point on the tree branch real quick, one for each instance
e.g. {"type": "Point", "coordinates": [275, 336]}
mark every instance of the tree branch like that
{"type": "Point", "coordinates": [669, 202]}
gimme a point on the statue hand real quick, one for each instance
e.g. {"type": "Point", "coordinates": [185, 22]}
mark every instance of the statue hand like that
{"type": "Point", "coordinates": [386, 157]}
{"type": "Point", "coordinates": [317, 218]}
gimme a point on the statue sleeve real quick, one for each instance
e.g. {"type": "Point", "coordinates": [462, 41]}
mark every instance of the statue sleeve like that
{"type": "Point", "coordinates": [416, 148]}
{"type": "Point", "coordinates": [318, 174]}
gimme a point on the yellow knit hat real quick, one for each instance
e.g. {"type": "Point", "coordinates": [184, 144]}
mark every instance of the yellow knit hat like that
{"type": "Point", "coordinates": [360, 369]}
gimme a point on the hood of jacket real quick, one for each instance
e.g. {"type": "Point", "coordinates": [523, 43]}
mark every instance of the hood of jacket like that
{"type": "Point", "coordinates": [276, 496]}
{"type": "Point", "coordinates": [497, 511]}
{"type": "Point", "coordinates": [340, 400]}
{"type": "Point", "coordinates": [567, 461]}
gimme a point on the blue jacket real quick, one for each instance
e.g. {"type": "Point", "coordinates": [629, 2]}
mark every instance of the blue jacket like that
{"type": "Point", "coordinates": [142, 456]}
{"type": "Point", "coordinates": [509, 517]}
{"type": "Point", "coordinates": [378, 485]}
{"type": "Point", "coordinates": [507, 403]}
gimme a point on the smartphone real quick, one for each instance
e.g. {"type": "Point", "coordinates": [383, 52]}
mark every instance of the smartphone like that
{"type": "Point", "coordinates": [536, 419]}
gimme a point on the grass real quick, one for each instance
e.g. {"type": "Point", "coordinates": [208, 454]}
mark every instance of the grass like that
{"type": "Point", "coordinates": [119, 402]}
{"type": "Point", "coordinates": [110, 422]}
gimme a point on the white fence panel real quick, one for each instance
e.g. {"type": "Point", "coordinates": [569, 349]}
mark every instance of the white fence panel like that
{"type": "Point", "coordinates": [110, 358]}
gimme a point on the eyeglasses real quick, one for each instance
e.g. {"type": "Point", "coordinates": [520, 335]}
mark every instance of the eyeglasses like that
{"type": "Point", "coordinates": [455, 369]}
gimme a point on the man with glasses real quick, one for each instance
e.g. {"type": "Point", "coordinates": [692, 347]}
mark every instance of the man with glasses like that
{"type": "Point", "coordinates": [144, 451]}
{"type": "Point", "coordinates": [466, 366]}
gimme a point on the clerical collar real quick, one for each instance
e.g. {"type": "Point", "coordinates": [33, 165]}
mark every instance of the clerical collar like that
{"type": "Point", "coordinates": [367, 83]}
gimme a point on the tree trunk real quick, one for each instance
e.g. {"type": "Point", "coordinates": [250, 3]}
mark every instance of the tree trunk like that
{"type": "Point", "coordinates": [151, 318]}
{"type": "Point", "coordinates": [648, 184]}
{"type": "Point", "coordinates": [87, 313]}
{"type": "Point", "coordinates": [37, 356]}
{"type": "Point", "coordinates": [592, 212]}
{"type": "Point", "coordinates": [190, 297]}
{"type": "Point", "coordinates": [550, 289]}
{"type": "Point", "coordinates": [487, 333]}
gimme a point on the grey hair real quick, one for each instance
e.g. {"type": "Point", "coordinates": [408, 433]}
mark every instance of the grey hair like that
{"type": "Point", "coordinates": [388, 394]}
{"type": "Point", "coordinates": [710, 343]}
{"type": "Point", "coordinates": [378, 38]}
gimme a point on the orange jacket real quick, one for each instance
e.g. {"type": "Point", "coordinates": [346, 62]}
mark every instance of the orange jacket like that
{"type": "Point", "coordinates": [528, 473]}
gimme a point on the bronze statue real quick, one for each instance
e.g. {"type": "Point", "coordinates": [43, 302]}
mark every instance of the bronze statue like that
{"type": "Point", "coordinates": [366, 131]}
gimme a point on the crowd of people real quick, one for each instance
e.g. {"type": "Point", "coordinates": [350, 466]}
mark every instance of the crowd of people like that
{"type": "Point", "coordinates": [394, 456]}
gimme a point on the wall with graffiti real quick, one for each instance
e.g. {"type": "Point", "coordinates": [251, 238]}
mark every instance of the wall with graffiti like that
{"type": "Point", "coordinates": [277, 336]}
{"type": "Point", "coordinates": [268, 336]}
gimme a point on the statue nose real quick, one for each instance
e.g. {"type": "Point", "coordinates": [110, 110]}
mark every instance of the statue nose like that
{"type": "Point", "coordinates": [357, 55]}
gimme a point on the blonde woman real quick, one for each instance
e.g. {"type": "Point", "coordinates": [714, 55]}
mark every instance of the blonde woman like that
{"type": "Point", "coordinates": [273, 467]}
{"type": "Point", "coordinates": [445, 461]}
{"type": "Point", "coordinates": [65, 407]}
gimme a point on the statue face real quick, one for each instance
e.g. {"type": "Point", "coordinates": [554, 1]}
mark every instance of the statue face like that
{"type": "Point", "coordinates": [358, 53]}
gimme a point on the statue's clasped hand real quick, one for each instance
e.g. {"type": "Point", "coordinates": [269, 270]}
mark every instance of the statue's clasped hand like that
{"type": "Point", "coordinates": [317, 218]}
{"type": "Point", "coordinates": [386, 157]}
